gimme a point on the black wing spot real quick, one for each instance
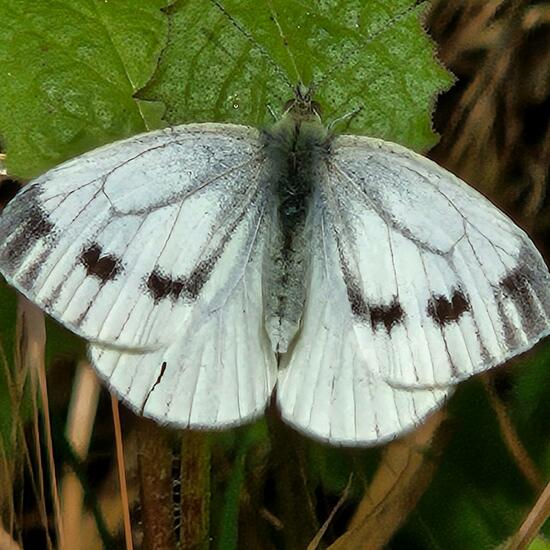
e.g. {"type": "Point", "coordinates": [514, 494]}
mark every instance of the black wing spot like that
{"type": "Point", "coordinates": [444, 311]}
{"type": "Point", "coordinates": [35, 226]}
{"type": "Point", "coordinates": [516, 286]}
{"type": "Point", "coordinates": [198, 278]}
{"type": "Point", "coordinates": [104, 267]}
{"type": "Point", "coordinates": [161, 286]}
{"type": "Point", "coordinates": [356, 300]}
{"type": "Point", "coordinates": [38, 224]}
{"type": "Point", "coordinates": [380, 315]}
{"type": "Point", "coordinates": [358, 305]}
{"type": "Point", "coordinates": [387, 315]}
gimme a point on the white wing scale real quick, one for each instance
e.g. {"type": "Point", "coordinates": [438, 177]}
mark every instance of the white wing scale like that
{"type": "Point", "coordinates": [417, 282]}
{"type": "Point", "coordinates": [327, 387]}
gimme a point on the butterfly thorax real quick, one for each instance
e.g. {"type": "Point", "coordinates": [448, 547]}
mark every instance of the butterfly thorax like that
{"type": "Point", "coordinates": [296, 147]}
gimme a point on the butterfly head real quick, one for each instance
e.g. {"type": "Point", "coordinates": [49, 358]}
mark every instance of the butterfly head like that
{"type": "Point", "coordinates": [301, 126]}
{"type": "Point", "coordinates": [303, 108]}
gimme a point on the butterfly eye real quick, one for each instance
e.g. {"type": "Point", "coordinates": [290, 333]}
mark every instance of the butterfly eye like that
{"type": "Point", "coordinates": [303, 106]}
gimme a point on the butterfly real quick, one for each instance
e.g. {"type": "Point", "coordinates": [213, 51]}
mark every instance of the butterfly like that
{"type": "Point", "coordinates": [210, 265]}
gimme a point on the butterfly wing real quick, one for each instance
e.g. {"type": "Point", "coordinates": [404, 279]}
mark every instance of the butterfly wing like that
{"type": "Point", "coordinates": [445, 281]}
{"type": "Point", "coordinates": [219, 371]}
{"type": "Point", "coordinates": [326, 387]}
{"type": "Point", "coordinates": [417, 283]}
{"type": "Point", "coordinates": [152, 249]}
{"type": "Point", "coordinates": [118, 243]}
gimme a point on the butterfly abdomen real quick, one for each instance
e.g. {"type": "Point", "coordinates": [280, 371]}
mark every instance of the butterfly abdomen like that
{"type": "Point", "coordinates": [296, 151]}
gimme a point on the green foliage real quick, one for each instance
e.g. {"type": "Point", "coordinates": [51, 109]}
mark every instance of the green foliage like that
{"type": "Point", "coordinates": [539, 544]}
{"type": "Point", "coordinates": [227, 532]}
{"type": "Point", "coordinates": [70, 69]}
{"type": "Point", "coordinates": [71, 75]}
{"type": "Point", "coordinates": [478, 495]}
{"type": "Point", "coordinates": [229, 63]}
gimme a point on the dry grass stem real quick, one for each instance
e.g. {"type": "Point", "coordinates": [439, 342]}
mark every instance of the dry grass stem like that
{"type": "Point", "coordinates": [6, 541]}
{"type": "Point", "coordinates": [314, 544]}
{"type": "Point", "coordinates": [80, 422]}
{"type": "Point", "coordinates": [32, 342]}
{"type": "Point", "coordinates": [122, 474]}
{"type": "Point", "coordinates": [533, 522]}
{"type": "Point", "coordinates": [405, 472]}
{"type": "Point", "coordinates": [516, 449]}
{"type": "Point", "coordinates": [109, 500]}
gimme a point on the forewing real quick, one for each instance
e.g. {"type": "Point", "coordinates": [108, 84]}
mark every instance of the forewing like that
{"type": "Point", "coordinates": [327, 387]}
{"type": "Point", "coordinates": [220, 369]}
{"type": "Point", "coordinates": [121, 243]}
{"type": "Point", "coordinates": [441, 284]}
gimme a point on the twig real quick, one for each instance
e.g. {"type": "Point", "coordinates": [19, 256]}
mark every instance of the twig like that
{"type": "Point", "coordinates": [314, 544]}
{"type": "Point", "coordinates": [405, 472]}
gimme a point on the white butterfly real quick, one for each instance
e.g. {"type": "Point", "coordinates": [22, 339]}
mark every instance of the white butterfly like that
{"type": "Point", "coordinates": [208, 264]}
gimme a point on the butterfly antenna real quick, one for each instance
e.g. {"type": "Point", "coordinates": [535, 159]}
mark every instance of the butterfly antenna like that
{"type": "Point", "coordinates": [285, 43]}
{"type": "Point", "coordinates": [348, 116]}
{"type": "Point", "coordinates": [253, 41]}
{"type": "Point", "coordinates": [121, 467]}
{"type": "Point", "coordinates": [272, 112]}
{"type": "Point", "coordinates": [345, 60]}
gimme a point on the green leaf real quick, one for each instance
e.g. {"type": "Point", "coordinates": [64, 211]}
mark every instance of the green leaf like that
{"type": "Point", "coordinates": [530, 407]}
{"type": "Point", "coordinates": [8, 301]}
{"type": "Point", "coordinates": [540, 544]}
{"type": "Point", "coordinates": [69, 72]}
{"type": "Point", "coordinates": [332, 466]}
{"type": "Point", "coordinates": [247, 438]}
{"type": "Point", "coordinates": [72, 69]}
{"type": "Point", "coordinates": [228, 61]}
